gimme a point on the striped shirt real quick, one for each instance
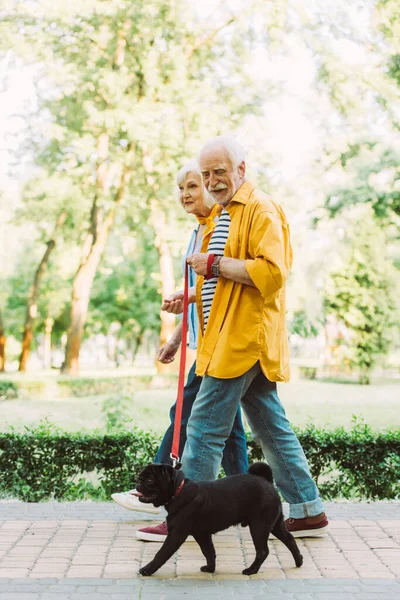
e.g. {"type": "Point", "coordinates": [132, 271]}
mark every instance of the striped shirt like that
{"type": "Point", "coordinates": [193, 322]}
{"type": "Point", "coordinates": [216, 246]}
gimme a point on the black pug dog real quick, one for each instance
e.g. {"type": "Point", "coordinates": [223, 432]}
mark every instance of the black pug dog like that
{"type": "Point", "coordinates": [201, 509]}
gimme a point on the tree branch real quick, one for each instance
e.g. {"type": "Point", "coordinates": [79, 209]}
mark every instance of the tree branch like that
{"type": "Point", "coordinates": [208, 38]}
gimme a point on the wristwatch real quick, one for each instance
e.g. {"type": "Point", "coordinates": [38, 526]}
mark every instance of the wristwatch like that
{"type": "Point", "coordinates": [215, 266]}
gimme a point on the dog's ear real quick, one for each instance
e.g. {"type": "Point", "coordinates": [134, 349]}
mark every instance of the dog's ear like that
{"type": "Point", "coordinates": [170, 471]}
{"type": "Point", "coordinates": [174, 475]}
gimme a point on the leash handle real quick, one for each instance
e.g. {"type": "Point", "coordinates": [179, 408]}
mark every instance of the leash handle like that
{"type": "Point", "coordinates": [181, 381]}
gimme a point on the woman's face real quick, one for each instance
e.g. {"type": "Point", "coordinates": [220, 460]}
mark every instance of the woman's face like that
{"type": "Point", "coordinates": [191, 195]}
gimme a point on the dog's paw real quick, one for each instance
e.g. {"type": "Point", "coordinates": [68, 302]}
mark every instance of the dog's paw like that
{"type": "Point", "coordinates": [299, 561]}
{"type": "Point", "coordinates": [146, 571]}
{"type": "Point", "coordinates": [207, 569]}
{"type": "Point", "coordinates": [249, 571]}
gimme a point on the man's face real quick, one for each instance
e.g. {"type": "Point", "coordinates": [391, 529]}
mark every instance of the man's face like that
{"type": "Point", "coordinates": [220, 178]}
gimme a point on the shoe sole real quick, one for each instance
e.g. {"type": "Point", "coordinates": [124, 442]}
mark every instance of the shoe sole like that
{"type": "Point", "coordinates": [149, 509]}
{"type": "Point", "coordinates": [153, 537]}
{"type": "Point", "coordinates": [310, 532]}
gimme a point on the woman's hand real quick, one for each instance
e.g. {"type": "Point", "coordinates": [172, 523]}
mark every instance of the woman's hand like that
{"type": "Point", "coordinates": [166, 353]}
{"type": "Point", "coordinates": [173, 304]}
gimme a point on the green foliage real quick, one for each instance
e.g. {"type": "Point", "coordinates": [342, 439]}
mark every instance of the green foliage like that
{"type": "Point", "coordinates": [301, 325]}
{"type": "Point", "coordinates": [121, 87]}
{"type": "Point", "coordinates": [8, 390]}
{"type": "Point", "coordinates": [77, 387]}
{"type": "Point", "coordinates": [115, 410]}
{"type": "Point", "coordinates": [362, 295]}
{"type": "Point", "coordinates": [373, 171]}
{"type": "Point", "coordinates": [45, 463]}
{"type": "Point", "coordinates": [350, 464]}
{"type": "Point", "coordinates": [126, 288]}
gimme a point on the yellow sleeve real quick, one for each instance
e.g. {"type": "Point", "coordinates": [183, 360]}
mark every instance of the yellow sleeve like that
{"type": "Point", "coordinates": [270, 252]}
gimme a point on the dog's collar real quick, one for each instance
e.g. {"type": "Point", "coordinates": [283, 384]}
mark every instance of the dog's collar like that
{"type": "Point", "coordinates": [178, 489]}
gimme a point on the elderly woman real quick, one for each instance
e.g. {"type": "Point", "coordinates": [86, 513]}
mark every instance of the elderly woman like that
{"type": "Point", "coordinates": [196, 201]}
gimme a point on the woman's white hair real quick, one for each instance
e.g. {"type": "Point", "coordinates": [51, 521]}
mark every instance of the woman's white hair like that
{"type": "Point", "coordinates": [235, 151]}
{"type": "Point", "coordinates": [193, 167]}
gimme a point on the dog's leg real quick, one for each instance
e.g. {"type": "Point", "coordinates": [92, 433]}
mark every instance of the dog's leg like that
{"type": "Point", "coordinates": [281, 533]}
{"type": "Point", "coordinates": [205, 542]}
{"type": "Point", "coordinates": [260, 539]}
{"type": "Point", "coordinates": [169, 547]}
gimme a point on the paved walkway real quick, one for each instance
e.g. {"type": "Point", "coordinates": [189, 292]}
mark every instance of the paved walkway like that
{"type": "Point", "coordinates": [88, 551]}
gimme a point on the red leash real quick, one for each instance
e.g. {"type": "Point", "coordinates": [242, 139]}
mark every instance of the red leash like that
{"type": "Point", "coordinates": [181, 381]}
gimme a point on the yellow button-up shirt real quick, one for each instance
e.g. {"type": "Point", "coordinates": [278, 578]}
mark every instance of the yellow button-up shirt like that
{"type": "Point", "coordinates": [247, 324]}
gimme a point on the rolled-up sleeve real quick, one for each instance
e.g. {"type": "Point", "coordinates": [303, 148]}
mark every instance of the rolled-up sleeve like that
{"type": "Point", "coordinates": [270, 252]}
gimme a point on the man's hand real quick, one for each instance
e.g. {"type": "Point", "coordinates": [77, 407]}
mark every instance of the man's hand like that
{"type": "Point", "coordinates": [198, 262]}
{"type": "Point", "coordinates": [173, 304]}
{"type": "Point", "coordinates": [166, 353]}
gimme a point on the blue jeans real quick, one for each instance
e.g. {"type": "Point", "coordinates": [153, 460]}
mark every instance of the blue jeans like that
{"type": "Point", "coordinates": [234, 451]}
{"type": "Point", "coordinates": [211, 421]}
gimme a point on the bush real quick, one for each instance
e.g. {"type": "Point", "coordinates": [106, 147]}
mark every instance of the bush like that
{"type": "Point", "coordinates": [45, 463]}
{"type": "Point", "coordinates": [358, 463]}
{"type": "Point", "coordinates": [8, 390]}
{"type": "Point", "coordinates": [79, 387]}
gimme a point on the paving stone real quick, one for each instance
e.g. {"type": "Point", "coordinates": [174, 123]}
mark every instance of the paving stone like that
{"type": "Point", "coordinates": [96, 542]}
{"type": "Point", "coordinates": [19, 596]}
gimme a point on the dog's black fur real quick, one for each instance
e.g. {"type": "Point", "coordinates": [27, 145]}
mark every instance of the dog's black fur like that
{"type": "Point", "coordinates": [201, 509]}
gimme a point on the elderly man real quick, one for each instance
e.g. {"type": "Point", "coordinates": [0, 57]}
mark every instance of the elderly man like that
{"type": "Point", "coordinates": [243, 346]}
{"type": "Point", "coordinates": [243, 342]}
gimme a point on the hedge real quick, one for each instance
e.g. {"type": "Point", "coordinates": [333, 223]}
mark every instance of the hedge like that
{"type": "Point", "coordinates": [44, 463]}
{"type": "Point", "coordinates": [78, 387]}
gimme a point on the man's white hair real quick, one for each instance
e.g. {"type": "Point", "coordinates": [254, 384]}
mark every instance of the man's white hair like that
{"type": "Point", "coordinates": [235, 151]}
{"type": "Point", "coordinates": [193, 167]}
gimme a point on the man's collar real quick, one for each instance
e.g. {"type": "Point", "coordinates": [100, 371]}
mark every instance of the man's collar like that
{"type": "Point", "coordinates": [243, 194]}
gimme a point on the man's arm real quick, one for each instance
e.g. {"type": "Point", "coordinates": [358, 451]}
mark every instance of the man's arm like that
{"type": "Point", "coordinates": [269, 246]}
{"type": "Point", "coordinates": [235, 269]}
{"type": "Point", "coordinates": [271, 252]}
{"type": "Point", "coordinates": [230, 268]}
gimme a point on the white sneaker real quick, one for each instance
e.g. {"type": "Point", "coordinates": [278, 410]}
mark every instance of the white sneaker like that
{"type": "Point", "coordinates": [131, 502]}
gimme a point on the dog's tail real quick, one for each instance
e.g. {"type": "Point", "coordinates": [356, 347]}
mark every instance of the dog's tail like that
{"type": "Point", "coordinates": [262, 470]}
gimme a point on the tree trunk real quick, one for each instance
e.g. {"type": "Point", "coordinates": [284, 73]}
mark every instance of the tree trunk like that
{"type": "Point", "coordinates": [31, 310]}
{"type": "Point", "coordinates": [93, 249]}
{"type": "Point", "coordinates": [2, 346]}
{"type": "Point", "coordinates": [47, 343]}
{"type": "Point", "coordinates": [167, 278]}
{"type": "Point", "coordinates": [97, 236]}
{"type": "Point", "coordinates": [136, 345]}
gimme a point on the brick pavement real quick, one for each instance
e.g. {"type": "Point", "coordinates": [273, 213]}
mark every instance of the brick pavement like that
{"type": "Point", "coordinates": [87, 550]}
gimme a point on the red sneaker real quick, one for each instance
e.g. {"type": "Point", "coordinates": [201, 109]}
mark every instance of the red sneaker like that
{"type": "Point", "coordinates": [308, 527]}
{"type": "Point", "coordinates": [156, 533]}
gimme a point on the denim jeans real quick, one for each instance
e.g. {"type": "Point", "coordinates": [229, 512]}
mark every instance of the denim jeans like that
{"type": "Point", "coordinates": [211, 421]}
{"type": "Point", "coordinates": [234, 451]}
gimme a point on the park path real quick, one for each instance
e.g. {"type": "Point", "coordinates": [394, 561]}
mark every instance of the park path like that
{"type": "Point", "coordinates": [88, 551]}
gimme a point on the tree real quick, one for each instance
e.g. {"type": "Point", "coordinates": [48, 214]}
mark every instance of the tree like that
{"type": "Point", "coordinates": [362, 294]}
{"type": "Point", "coordinates": [125, 291]}
{"type": "Point", "coordinates": [118, 84]}
{"type": "Point", "coordinates": [370, 157]}
{"type": "Point", "coordinates": [31, 310]}
{"type": "Point", "coordinates": [2, 346]}
{"type": "Point", "coordinates": [373, 173]}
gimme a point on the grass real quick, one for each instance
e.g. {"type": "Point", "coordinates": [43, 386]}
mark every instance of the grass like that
{"type": "Point", "coordinates": [325, 404]}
